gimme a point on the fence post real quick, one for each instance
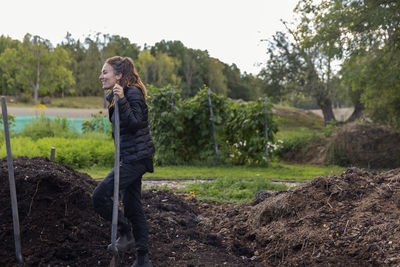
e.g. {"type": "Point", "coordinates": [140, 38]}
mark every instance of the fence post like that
{"type": "Point", "coordinates": [212, 123]}
{"type": "Point", "coordinates": [11, 179]}
{"type": "Point", "coordinates": [53, 154]}
{"type": "Point", "coordinates": [266, 129]}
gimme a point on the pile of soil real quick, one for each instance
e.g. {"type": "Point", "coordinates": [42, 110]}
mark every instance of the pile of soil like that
{"type": "Point", "coordinates": [59, 227]}
{"type": "Point", "coordinates": [365, 145]}
{"type": "Point", "coordinates": [346, 220]}
{"type": "Point", "coordinates": [354, 144]}
{"type": "Point", "coordinates": [351, 219]}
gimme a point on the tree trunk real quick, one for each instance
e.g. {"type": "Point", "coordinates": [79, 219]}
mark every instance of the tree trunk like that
{"type": "Point", "coordinates": [326, 106]}
{"type": "Point", "coordinates": [36, 93]}
{"type": "Point", "coordinates": [357, 113]}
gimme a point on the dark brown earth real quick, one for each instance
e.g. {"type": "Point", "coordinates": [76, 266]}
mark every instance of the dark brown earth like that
{"type": "Point", "coordinates": [60, 228]}
{"type": "Point", "coordinates": [347, 220]}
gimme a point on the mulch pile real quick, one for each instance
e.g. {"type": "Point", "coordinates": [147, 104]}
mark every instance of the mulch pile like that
{"type": "Point", "coordinates": [358, 144]}
{"type": "Point", "coordinates": [347, 220]}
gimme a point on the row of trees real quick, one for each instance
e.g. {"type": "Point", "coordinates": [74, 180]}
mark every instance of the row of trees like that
{"type": "Point", "coordinates": [340, 49]}
{"type": "Point", "coordinates": [337, 51]}
{"type": "Point", "coordinates": [35, 67]}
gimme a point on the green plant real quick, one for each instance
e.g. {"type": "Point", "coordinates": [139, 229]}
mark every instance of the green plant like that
{"type": "Point", "coordinates": [294, 144]}
{"type": "Point", "coordinates": [329, 128]}
{"type": "Point", "coordinates": [11, 122]}
{"type": "Point", "coordinates": [183, 133]}
{"type": "Point", "coordinates": [75, 152]}
{"type": "Point", "coordinates": [98, 123]}
{"type": "Point", "coordinates": [42, 126]}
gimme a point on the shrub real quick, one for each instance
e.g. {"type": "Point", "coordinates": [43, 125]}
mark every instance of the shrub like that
{"type": "Point", "coordinates": [294, 144]}
{"type": "Point", "coordinates": [42, 126]}
{"type": "Point", "coordinates": [183, 133]}
{"type": "Point", "coordinates": [77, 153]}
{"type": "Point", "coordinates": [98, 123]}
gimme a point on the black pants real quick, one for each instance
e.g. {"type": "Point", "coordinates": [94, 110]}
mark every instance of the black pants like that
{"type": "Point", "coordinates": [130, 184]}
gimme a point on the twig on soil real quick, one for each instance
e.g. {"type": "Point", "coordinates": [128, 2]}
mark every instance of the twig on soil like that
{"type": "Point", "coordinates": [66, 207]}
{"type": "Point", "coordinates": [305, 243]}
{"type": "Point", "coordinates": [329, 204]}
{"type": "Point", "coordinates": [388, 185]}
{"type": "Point", "coordinates": [345, 228]}
{"type": "Point", "coordinates": [33, 197]}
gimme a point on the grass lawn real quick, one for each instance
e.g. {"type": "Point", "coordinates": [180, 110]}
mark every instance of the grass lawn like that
{"type": "Point", "coordinates": [279, 171]}
{"type": "Point", "coordinates": [235, 184]}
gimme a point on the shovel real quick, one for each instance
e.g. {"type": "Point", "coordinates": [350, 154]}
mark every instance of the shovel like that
{"type": "Point", "coordinates": [114, 249]}
{"type": "Point", "coordinates": [13, 193]}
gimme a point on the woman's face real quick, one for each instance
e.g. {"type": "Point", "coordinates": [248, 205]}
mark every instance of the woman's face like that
{"type": "Point", "coordinates": [107, 77]}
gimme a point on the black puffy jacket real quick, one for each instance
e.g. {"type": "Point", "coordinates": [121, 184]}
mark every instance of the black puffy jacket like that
{"type": "Point", "coordinates": [136, 142]}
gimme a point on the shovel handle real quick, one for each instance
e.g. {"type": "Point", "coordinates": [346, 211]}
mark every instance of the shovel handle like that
{"type": "Point", "coordinates": [13, 192]}
{"type": "Point", "coordinates": [116, 177]}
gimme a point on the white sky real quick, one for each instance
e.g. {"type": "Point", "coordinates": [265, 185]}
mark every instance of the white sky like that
{"type": "Point", "coordinates": [229, 30]}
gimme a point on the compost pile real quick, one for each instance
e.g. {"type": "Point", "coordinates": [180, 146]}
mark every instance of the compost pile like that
{"type": "Point", "coordinates": [347, 220]}
{"type": "Point", "coordinates": [353, 144]}
{"type": "Point", "coordinates": [59, 227]}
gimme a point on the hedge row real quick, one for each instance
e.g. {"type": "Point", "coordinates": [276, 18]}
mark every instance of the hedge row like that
{"type": "Point", "coordinates": [77, 153]}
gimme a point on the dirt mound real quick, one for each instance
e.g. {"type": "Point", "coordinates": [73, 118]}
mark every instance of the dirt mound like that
{"type": "Point", "coordinates": [365, 145]}
{"type": "Point", "coordinates": [354, 144]}
{"type": "Point", "coordinates": [346, 220]}
{"type": "Point", "coordinates": [59, 227]}
{"type": "Point", "coordinates": [349, 220]}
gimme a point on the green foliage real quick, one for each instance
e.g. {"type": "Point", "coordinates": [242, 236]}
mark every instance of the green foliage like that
{"type": "Point", "coordinates": [43, 126]}
{"type": "Point", "coordinates": [231, 189]}
{"type": "Point", "coordinates": [294, 144]}
{"type": "Point", "coordinates": [11, 121]}
{"type": "Point", "coordinates": [245, 131]}
{"type": "Point", "coordinates": [35, 64]}
{"type": "Point", "coordinates": [184, 133]}
{"type": "Point", "coordinates": [72, 67]}
{"type": "Point", "coordinates": [77, 153]}
{"type": "Point", "coordinates": [329, 128]}
{"type": "Point", "coordinates": [166, 124]}
{"type": "Point", "coordinates": [362, 34]}
{"type": "Point", "coordinates": [97, 123]}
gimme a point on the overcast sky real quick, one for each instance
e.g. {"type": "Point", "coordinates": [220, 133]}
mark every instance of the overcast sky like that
{"type": "Point", "coordinates": [229, 30]}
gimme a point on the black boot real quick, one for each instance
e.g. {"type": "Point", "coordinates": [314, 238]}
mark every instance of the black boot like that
{"type": "Point", "coordinates": [142, 260]}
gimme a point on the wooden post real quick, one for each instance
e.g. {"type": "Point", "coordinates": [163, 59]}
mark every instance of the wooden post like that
{"type": "Point", "coordinates": [13, 192]}
{"type": "Point", "coordinates": [266, 129]}
{"type": "Point", "coordinates": [172, 109]}
{"type": "Point", "coordinates": [212, 123]}
{"type": "Point", "coordinates": [53, 154]}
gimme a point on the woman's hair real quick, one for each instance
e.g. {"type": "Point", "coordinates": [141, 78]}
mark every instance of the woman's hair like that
{"type": "Point", "coordinates": [130, 76]}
